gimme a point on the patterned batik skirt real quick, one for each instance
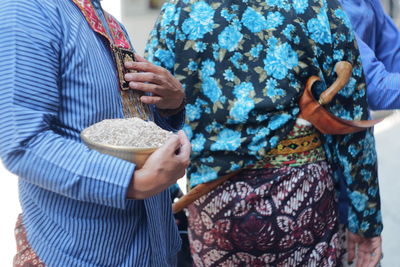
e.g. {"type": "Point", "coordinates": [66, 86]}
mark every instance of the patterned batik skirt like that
{"type": "Point", "coordinates": [25, 256]}
{"type": "Point", "coordinates": [281, 212]}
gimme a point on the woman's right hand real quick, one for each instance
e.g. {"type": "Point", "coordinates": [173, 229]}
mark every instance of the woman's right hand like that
{"type": "Point", "coordinates": [162, 169]}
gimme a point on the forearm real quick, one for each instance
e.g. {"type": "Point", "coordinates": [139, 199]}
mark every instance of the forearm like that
{"type": "Point", "coordinates": [383, 87]}
{"type": "Point", "coordinates": [69, 168]}
{"type": "Point", "coordinates": [383, 91]}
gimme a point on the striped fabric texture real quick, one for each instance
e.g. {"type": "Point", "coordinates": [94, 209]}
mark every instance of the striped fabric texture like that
{"type": "Point", "coordinates": [379, 42]}
{"type": "Point", "coordinates": [57, 77]}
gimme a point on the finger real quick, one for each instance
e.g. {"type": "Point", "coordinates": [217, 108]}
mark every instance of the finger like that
{"type": "Point", "coordinates": [140, 58]}
{"type": "Point", "coordinates": [362, 258]}
{"type": "Point", "coordinates": [145, 87]}
{"type": "Point", "coordinates": [129, 64]}
{"type": "Point", "coordinates": [377, 252]}
{"type": "Point", "coordinates": [351, 248]}
{"type": "Point", "coordinates": [151, 99]}
{"type": "Point", "coordinates": [149, 77]}
{"type": "Point", "coordinates": [186, 147]}
{"type": "Point", "coordinates": [171, 145]}
{"type": "Point", "coordinates": [145, 67]}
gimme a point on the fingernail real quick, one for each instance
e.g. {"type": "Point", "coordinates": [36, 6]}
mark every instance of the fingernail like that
{"type": "Point", "coordinates": [127, 76]}
{"type": "Point", "coordinates": [132, 84]}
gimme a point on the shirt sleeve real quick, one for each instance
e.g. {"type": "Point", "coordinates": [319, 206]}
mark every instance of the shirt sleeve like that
{"type": "Point", "coordinates": [31, 147]}
{"type": "Point", "coordinates": [387, 48]}
{"type": "Point", "coordinates": [352, 155]}
{"type": "Point", "coordinates": [383, 86]}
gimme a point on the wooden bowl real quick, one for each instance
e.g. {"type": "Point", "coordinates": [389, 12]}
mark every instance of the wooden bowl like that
{"type": "Point", "coordinates": [135, 155]}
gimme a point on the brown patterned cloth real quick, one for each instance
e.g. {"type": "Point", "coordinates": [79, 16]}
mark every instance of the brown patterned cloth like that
{"type": "Point", "coordinates": [268, 217]}
{"type": "Point", "coordinates": [25, 256]}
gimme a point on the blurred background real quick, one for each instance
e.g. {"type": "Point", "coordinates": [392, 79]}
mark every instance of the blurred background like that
{"type": "Point", "coordinates": [139, 17]}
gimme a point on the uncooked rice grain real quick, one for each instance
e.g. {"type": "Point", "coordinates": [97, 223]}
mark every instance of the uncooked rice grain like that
{"type": "Point", "coordinates": [131, 132]}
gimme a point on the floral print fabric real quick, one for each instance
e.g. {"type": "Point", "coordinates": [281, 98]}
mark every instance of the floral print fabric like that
{"type": "Point", "coordinates": [268, 217]}
{"type": "Point", "coordinates": [244, 64]}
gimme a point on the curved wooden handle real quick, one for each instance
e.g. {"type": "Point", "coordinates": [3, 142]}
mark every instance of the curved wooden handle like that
{"type": "Point", "coordinates": [324, 121]}
{"type": "Point", "coordinates": [343, 70]}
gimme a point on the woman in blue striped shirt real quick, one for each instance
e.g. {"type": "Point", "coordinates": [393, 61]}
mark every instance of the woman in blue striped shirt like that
{"type": "Point", "coordinates": [57, 78]}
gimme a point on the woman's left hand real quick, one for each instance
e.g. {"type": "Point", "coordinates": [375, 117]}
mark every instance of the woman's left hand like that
{"type": "Point", "coordinates": [166, 90]}
{"type": "Point", "coordinates": [369, 250]}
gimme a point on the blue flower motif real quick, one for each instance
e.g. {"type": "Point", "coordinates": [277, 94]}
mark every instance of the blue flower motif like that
{"type": "Point", "coordinates": [227, 140]}
{"type": "Point", "coordinates": [167, 58]}
{"type": "Point", "coordinates": [279, 3]}
{"type": "Point", "coordinates": [280, 59]}
{"type": "Point", "coordinates": [200, 47]}
{"type": "Point", "coordinates": [225, 14]}
{"type": "Point", "coordinates": [358, 112]}
{"type": "Point", "coordinates": [255, 51]}
{"type": "Point", "coordinates": [200, 22]}
{"type": "Point", "coordinates": [353, 150]}
{"type": "Point", "coordinates": [241, 108]}
{"type": "Point", "coordinates": [229, 75]}
{"type": "Point", "coordinates": [288, 31]}
{"type": "Point", "coordinates": [204, 174]}
{"type": "Point", "coordinates": [253, 20]}
{"type": "Point", "coordinates": [243, 90]}
{"type": "Point", "coordinates": [352, 221]}
{"type": "Point", "coordinates": [207, 160]}
{"type": "Point", "coordinates": [235, 167]}
{"type": "Point", "coordinates": [274, 19]}
{"type": "Point", "coordinates": [372, 191]}
{"type": "Point", "coordinates": [198, 143]}
{"type": "Point", "coordinates": [300, 6]}
{"type": "Point", "coordinates": [188, 131]}
{"type": "Point", "coordinates": [229, 38]}
{"type": "Point", "coordinates": [193, 112]}
{"type": "Point", "coordinates": [261, 118]}
{"type": "Point", "coordinates": [211, 90]}
{"type": "Point", "coordinates": [364, 226]}
{"type": "Point", "coordinates": [207, 68]}
{"type": "Point", "coordinates": [319, 29]}
{"type": "Point", "coordinates": [202, 12]}
{"type": "Point", "coordinates": [193, 66]}
{"type": "Point", "coordinates": [235, 59]}
{"type": "Point", "coordinates": [338, 55]}
{"type": "Point", "coordinates": [272, 91]}
{"type": "Point", "coordinates": [274, 141]}
{"type": "Point", "coordinates": [366, 175]}
{"type": "Point", "coordinates": [340, 14]}
{"type": "Point", "coordinates": [169, 14]}
{"type": "Point", "coordinates": [195, 30]}
{"type": "Point", "coordinates": [359, 200]}
{"type": "Point", "coordinates": [258, 141]}
{"type": "Point", "coordinates": [278, 120]}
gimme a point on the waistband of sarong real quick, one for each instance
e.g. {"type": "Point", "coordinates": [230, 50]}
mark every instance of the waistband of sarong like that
{"type": "Point", "coordinates": [303, 146]}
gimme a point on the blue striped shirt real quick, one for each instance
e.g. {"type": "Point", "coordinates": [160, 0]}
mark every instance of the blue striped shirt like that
{"type": "Point", "coordinates": [57, 77]}
{"type": "Point", "coordinates": [379, 42]}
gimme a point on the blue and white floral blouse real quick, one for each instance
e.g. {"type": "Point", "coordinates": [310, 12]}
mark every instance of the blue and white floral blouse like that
{"type": "Point", "coordinates": [244, 64]}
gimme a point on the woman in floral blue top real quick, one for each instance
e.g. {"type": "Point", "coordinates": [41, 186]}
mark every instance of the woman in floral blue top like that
{"type": "Point", "coordinates": [244, 65]}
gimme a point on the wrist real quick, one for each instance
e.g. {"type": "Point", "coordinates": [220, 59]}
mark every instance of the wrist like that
{"type": "Point", "coordinates": [170, 112]}
{"type": "Point", "coordinates": [141, 185]}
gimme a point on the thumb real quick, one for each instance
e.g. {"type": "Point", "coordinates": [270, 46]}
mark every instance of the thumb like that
{"type": "Point", "coordinates": [171, 145]}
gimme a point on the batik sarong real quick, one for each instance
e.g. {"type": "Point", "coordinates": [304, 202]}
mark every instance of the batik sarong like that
{"type": "Point", "coordinates": [275, 216]}
{"type": "Point", "coordinates": [25, 256]}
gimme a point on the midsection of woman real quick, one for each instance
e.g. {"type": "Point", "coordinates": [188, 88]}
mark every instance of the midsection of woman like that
{"type": "Point", "coordinates": [281, 211]}
{"type": "Point", "coordinates": [244, 65]}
